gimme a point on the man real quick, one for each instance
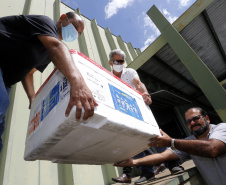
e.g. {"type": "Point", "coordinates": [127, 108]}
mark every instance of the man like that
{"type": "Point", "coordinates": [207, 148]}
{"type": "Point", "coordinates": [128, 75]}
{"type": "Point", "coordinates": [30, 43]}
{"type": "Point", "coordinates": [117, 59]}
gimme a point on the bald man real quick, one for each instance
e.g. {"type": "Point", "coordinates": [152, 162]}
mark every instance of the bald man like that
{"type": "Point", "coordinates": [29, 43]}
{"type": "Point", "coordinates": [206, 146]}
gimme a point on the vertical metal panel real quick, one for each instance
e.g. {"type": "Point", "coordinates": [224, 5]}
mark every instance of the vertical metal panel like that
{"type": "Point", "coordinates": [116, 42]}
{"type": "Point", "coordinates": [131, 50]}
{"type": "Point", "coordinates": [88, 174]}
{"type": "Point", "coordinates": [56, 10]}
{"type": "Point", "coordinates": [65, 174]}
{"type": "Point", "coordinates": [123, 47]}
{"type": "Point", "coordinates": [5, 136]}
{"type": "Point", "coordinates": [91, 43]}
{"type": "Point", "coordinates": [107, 48]}
{"type": "Point", "coordinates": [15, 149]}
{"type": "Point", "coordinates": [82, 40]}
{"type": "Point", "coordinates": [38, 7]}
{"type": "Point", "coordinates": [12, 7]}
{"type": "Point", "coordinates": [110, 39]}
{"type": "Point", "coordinates": [138, 51]}
{"type": "Point", "coordinates": [100, 45]}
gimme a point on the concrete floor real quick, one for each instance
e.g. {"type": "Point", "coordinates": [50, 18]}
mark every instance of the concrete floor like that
{"type": "Point", "coordinates": [163, 177]}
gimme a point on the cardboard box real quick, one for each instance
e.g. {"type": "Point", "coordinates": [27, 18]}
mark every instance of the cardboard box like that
{"type": "Point", "coordinates": [120, 128]}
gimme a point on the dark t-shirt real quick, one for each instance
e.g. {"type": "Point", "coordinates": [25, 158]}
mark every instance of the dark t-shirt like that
{"type": "Point", "coordinates": [20, 48]}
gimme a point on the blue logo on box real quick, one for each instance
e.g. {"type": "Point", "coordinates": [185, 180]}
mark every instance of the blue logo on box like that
{"type": "Point", "coordinates": [125, 103]}
{"type": "Point", "coordinates": [50, 101]}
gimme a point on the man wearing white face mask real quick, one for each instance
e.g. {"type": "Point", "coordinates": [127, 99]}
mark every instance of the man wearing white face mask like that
{"type": "Point", "coordinates": [130, 76]}
{"type": "Point", "coordinates": [29, 43]}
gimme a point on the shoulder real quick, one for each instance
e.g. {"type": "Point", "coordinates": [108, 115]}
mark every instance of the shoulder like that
{"type": "Point", "coordinates": [218, 132]}
{"type": "Point", "coordinates": [39, 19]}
{"type": "Point", "coordinates": [192, 137]}
{"type": "Point", "coordinates": [220, 126]}
{"type": "Point", "coordinates": [130, 70]}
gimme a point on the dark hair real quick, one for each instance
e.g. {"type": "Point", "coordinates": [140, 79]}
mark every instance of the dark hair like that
{"type": "Point", "coordinates": [71, 15]}
{"type": "Point", "coordinates": [202, 111]}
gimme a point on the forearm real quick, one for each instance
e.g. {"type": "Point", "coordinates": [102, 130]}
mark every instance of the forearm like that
{"type": "Point", "coordinates": [28, 85]}
{"type": "Point", "coordinates": [197, 147]}
{"type": "Point", "coordinates": [156, 159]}
{"type": "Point", "coordinates": [61, 57]}
{"type": "Point", "coordinates": [141, 88]}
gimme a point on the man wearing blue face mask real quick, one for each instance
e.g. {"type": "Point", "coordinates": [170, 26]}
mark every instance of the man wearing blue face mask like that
{"type": "Point", "coordinates": [29, 43]}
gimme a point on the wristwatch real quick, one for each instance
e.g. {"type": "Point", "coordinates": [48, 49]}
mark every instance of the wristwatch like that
{"type": "Point", "coordinates": [172, 144]}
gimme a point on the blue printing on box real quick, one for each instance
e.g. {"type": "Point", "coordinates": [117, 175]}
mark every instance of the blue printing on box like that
{"type": "Point", "coordinates": [125, 103]}
{"type": "Point", "coordinates": [50, 101]}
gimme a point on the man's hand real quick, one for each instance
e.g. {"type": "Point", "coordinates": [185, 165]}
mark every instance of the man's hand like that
{"type": "Point", "coordinates": [141, 88]}
{"type": "Point", "coordinates": [126, 163]}
{"type": "Point", "coordinates": [81, 96]}
{"type": "Point", "coordinates": [31, 100]}
{"type": "Point", "coordinates": [161, 141]}
{"type": "Point", "coordinates": [147, 98]}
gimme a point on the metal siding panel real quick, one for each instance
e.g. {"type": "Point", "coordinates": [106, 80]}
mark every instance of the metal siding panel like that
{"type": "Point", "coordinates": [38, 7]}
{"type": "Point", "coordinates": [92, 45]}
{"type": "Point", "coordinates": [11, 7]}
{"type": "Point", "coordinates": [105, 42]}
{"type": "Point", "coordinates": [14, 159]}
{"type": "Point", "coordinates": [88, 174]}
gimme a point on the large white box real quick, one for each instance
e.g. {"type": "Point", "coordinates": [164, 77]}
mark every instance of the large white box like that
{"type": "Point", "coordinates": [120, 128]}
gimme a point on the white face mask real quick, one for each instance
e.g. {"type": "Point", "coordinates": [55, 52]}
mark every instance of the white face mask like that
{"type": "Point", "coordinates": [118, 68]}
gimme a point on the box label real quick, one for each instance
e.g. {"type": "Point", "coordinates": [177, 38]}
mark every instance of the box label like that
{"type": "Point", "coordinates": [125, 103]}
{"type": "Point", "coordinates": [50, 101]}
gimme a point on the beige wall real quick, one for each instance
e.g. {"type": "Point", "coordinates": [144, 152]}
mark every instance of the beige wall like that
{"type": "Point", "coordinates": [13, 169]}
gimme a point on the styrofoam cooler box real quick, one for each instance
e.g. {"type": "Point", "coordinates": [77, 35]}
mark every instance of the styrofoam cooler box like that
{"type": "Point", "coordinates": [120, 128]}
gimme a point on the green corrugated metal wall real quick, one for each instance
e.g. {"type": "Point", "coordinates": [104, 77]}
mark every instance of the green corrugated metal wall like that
{"type": "Point", "coordinates": [96, 42]}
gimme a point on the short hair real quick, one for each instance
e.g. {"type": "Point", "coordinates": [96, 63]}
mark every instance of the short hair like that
{"type": "Point", "coordinates": [73, 15]}
{"type": "Point", "coordinates": [202, 111]}
{"type": "Point", "coordinates": [117, 52]}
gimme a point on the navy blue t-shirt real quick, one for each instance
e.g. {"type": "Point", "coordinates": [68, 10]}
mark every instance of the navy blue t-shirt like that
{"type": "Point", "coordinates": [20, 48]}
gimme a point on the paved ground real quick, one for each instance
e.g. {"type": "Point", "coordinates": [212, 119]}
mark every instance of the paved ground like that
{"type": "Point", "coordinates": [163, 177]}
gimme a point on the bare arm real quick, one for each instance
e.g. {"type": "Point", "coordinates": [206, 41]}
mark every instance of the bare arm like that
{"type": "Point", "coordinates": [141, 87]}
{"type": "Point", "coordinates": [80, 94]}
{"type": "Point", "coordinates": [29, 86]}
{"type": "Point", "coordinates": [150, 160]}
{"type": "Point", "coordinates": [206, 148]}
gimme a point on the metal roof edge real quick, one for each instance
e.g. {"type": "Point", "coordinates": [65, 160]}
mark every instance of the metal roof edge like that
{"type": "Point", "coordinates": [189, 15]}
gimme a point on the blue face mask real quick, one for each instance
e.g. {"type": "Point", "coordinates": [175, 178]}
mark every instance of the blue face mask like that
{"type": "Point", "coordinates": [69, 33]}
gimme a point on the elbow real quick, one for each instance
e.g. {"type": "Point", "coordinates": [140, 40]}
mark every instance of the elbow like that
{"type": "Point", "coordinates": [214, 152]}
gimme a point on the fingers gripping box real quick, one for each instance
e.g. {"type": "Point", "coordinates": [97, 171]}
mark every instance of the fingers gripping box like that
{"type": "Point", "coordinates": [120, 128]}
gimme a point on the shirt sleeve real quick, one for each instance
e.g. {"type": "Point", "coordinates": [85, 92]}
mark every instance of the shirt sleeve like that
{"type": "Point", "coordinates": [219, 132]}
{"type": "Point", "coordinates": [183, 156]}
{"type": "Point", "coordinates": [42, 67]}
{"type": "Point", "coordinates": [133, 74]}
{"type": "Point", "coordinates": [41, 25]}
